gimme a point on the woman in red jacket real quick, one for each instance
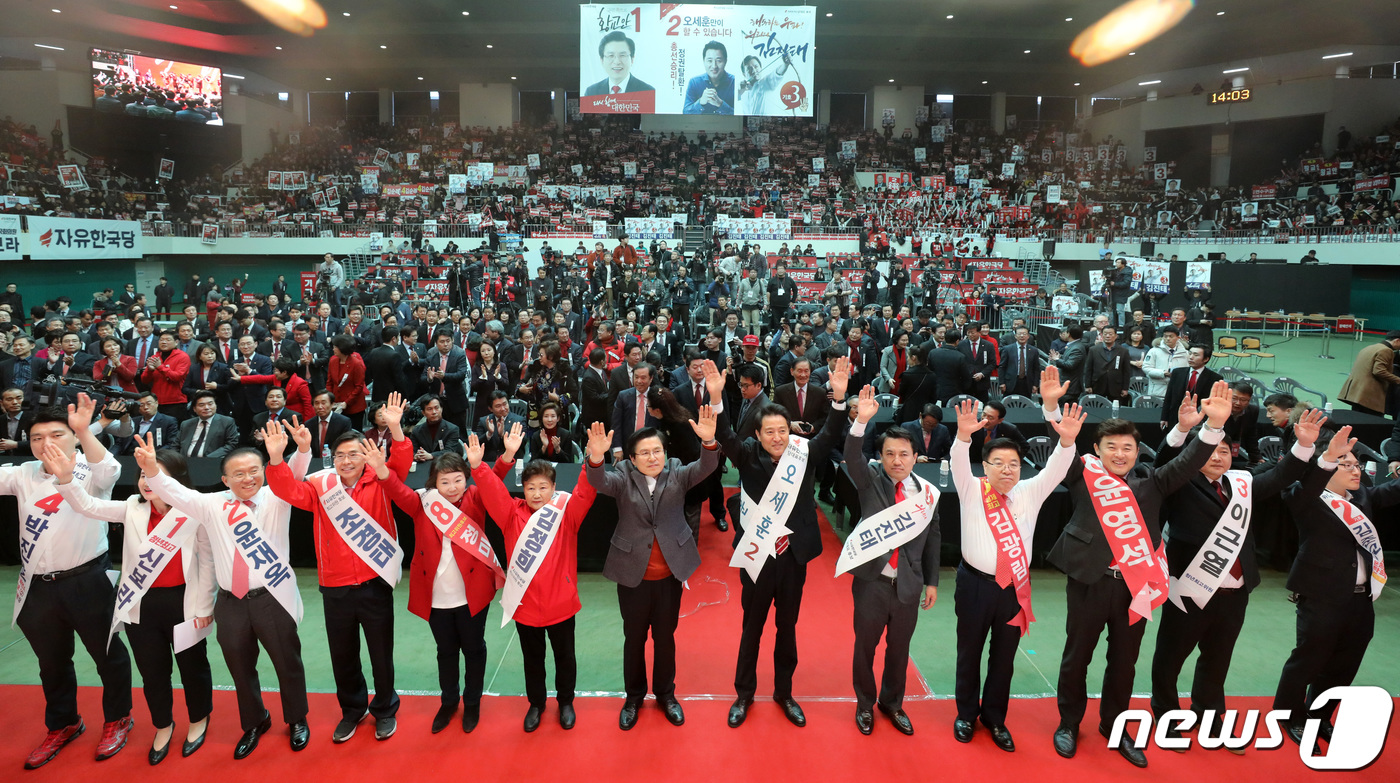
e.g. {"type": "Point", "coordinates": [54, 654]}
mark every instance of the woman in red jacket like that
{"type": "Point", "coordinates": [114, 370]}
{"type": "Point", "coordinates": [345, 378]}
{"type": "Point", "coordinates": [164, 374]}
{"type": "Point", "coordinates": [451, 585]}
{"type": "Point", "coordinates": [550, 599]}
{"type": "Point", "coordinates": [284, 376]}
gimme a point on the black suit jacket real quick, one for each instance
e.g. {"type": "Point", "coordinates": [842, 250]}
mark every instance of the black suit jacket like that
{"type": "Point", "coordinates": [565, 452]}
{"type": "Point", "coordinates": [1106, 371]}
{"type": "Point", "coordinates": [219, 375]}
{"type": "Point", "coordinates": [952, 371]}
{"type": "Point", "coordinates": [1325, 568]}
{"type": "Point", "coordinates": [940, 441]}
{"type": "Point", "coordinates": [290, 349]}
{"type": "Point", "coordinates": [594, 406]}
{"type": "Point", "coordinates": [814, 408]}
{"type": "Point", "coordinates": [1244, 430]}
{"type": "Point", "coordinates": [1071, 364]}
{"type": "Point", "coordinates": [982, 361]}
{"type": "Point", "coordinates": [1176, 391]}
{"type": "Point", "coordinates": [917, 387]}
{"type": "Point", "coordinates": [1007, 371]}
{"type": "Point", "coordinates": [494, 443]}
{"type": "Point", "coordinates": [338, 425]}
{"type": "Point", "coordinates": [382, 373]}
{"type": "Point", "coordinates": [918, 559]}
{"type": "Point", "coordinates": [1004, 430]}
{"type": "Point", "coordinates": [1190, 513]}
{"type": "Point", "coordinates": [624, 420]}
{"type": "Point", "coordinates": [449, 438]}
{"type": "Point", "coordinates": [756, 469]}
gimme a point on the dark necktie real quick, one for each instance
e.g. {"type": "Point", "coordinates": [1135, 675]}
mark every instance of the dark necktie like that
{"type": "Point", "coordinates": [1235, 569]}
{"type": "Point", "coordinates": [197, 450]}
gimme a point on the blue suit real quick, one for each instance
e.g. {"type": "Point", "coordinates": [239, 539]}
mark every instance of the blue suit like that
{"type": "Point", "coordinates": [697, 87]}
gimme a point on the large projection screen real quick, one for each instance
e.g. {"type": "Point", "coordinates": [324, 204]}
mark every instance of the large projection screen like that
{"type": "Point", "coordinates": [679, 58]}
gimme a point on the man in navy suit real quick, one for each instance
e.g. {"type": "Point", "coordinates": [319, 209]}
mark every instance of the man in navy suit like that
{"type": "Point", "coordinates": [981, 360]}
{"type": "Point", "coordinates": [150, 421]}
{"type": "Point", "coordinates": [932, 441]}
{"type": "Point", "coordinates": [1020, 365]}
{"type": "Point", "coordinates": [492, 427]}
{"type": "Point", "coordinates": [248, 400]}
{"type": "Point", "coordinates": [630, 412]}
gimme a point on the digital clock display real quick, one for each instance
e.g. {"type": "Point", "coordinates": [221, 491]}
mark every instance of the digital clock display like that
{"type": "Point", "coordinates": [1231, 96]}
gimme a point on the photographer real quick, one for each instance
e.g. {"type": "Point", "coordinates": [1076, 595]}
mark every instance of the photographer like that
{"type": "Point", "coordinates": [330, 277]}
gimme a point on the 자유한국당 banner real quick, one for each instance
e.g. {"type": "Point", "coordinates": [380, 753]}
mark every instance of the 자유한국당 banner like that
{"type": "Point", "coordinates": [682, 58]}
{"type": "Point", "coordinates": [77, 238]}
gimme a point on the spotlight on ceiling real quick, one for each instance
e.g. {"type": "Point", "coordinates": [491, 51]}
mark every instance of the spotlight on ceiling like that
{"type": "Point", "coordinates": [302, 17]}
{"type": "Point", "coordinates": [1127, 27]}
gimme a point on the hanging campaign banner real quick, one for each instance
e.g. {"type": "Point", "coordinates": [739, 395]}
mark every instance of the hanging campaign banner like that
{"type": "Point", "coordinates": [532, 160]}
{"type": "Point", "coordinates": [921, 153]}
{"type": "Point", "coordinates": [456, 183]}
{"type": "Point", "coordinates": [600, 229]}
{"type": "Point", "coordinates": [1052, 194]}
{"type": "Point", "coordinates": [848, 150]}
{"type": "Point", "coordinates": [1197, 274]}
{"type": "Point", "coordinates": [819, 165]}
{"type": "Point", "coordinates": [9, 238]}
{"type": "Point", "coordinates": [749, 229]}
{"type": "Point", "coordinates": [210, 235]}
{"type": "Point", "coordinates": [648, 228]}
{"type": "Point", "coordinates": [167, 168]}
{"type": "Point", "coordinates": [56, 238]}
{"type": "Point", "coordinates": [936, 134]}
{"type": "Point", "coordinates": [674, 58]}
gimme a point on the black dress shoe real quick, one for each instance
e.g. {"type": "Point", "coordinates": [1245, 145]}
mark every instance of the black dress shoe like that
{"type": "Point", "coordinates": [1294, 730]}
{"type": "Point", "coordinates": [1066, 741]}
{"type": "Point", "coordinates": [793, 712]}
{"type": "Point", "coordinates": [722, 525]}
{"type": "Point", "coordinates": [470, 718]}
{"type": "Point", "coordinates": [444, 716]}
{"type": "Point", "coordinates": [567, 717]}
{"type": "Point", "coordinates": [532, 719]}
{"type": "Point", "coordinates": [738, 711]}
{"type": "Point", "coordinates": [191, 745]}
{"type": "Point", "coordinates": [674, 713]}
{"type": "Point", "coordinates": [1325, 731]}
{"type": "Point", "coordinates": [1126, 749]}
{"type": "Point", "coordinates": [827, 497]}
{"type": "Point", "coordinates": [1173, 734]}
{"type": "Point", "coordinates": [865, 721]}
{"type": "Point", "coordinates": [1001, 737]}
{"type": "Point", "coordinates": [962, 730]}
{"type": "Point", "coordinates": [301, 734]}
{"type": "Point", "coordinates": [157, 756]}
{"type": "Point", "coordinates": [628, 718]}
{"type": "Point", "coordinates": [249, 741]}
{"type": "Point", "coordinates": [899, 719]}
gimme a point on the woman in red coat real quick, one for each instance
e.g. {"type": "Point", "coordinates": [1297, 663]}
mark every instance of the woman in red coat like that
{"type": "Point", "coordinates": [115, 370]}
{"type": "Point", "coordinates": [345, 378]}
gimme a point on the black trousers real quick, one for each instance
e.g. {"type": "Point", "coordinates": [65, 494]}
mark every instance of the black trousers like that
{"type": "Point", "coordinates": [163, 608]}
{"type": "Point", "coordinates": [712, 488]}
{"type": "Point", "coordinates": [1214, 629]}
{"type": "Point", "coordinates": [53, 612]}
{"type": "Point", "coordinates": [1091, 608]}
{"type": "Point", "coordinates": [1021, 386]}
{"type": "Point", "coordinates": [179, 410]}
{"type": "Point", "coordinates": [561, 638]}
{"type": "Point", "coordinates": [984, 609]}
{"type": "Point", "coordinates": [879, 612]}
{"type": "Point", "coordinates": [368, 606]}
{"type": "Point", "coordinates": [460, 634]}
{"type": "Point", "coordinates": [1332, 640]}
{"type": "Point", "coordinates": [243, 624]}
{"type": "Point", "coordinates": [653, 606]}
{"type": "Point", "coordinates": [1364, 409]}
{"type": "Point", "coordinates": [779, 586]}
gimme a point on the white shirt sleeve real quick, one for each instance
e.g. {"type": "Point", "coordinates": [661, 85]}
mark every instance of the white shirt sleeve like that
{"type": "Point", "coordinates": [858, 428]}
{"type": "Point", "coordinates": [960, 457]}
{"type": "Point", "coordinates": [1175, 438]}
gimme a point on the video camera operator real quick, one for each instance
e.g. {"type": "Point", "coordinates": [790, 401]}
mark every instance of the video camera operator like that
{"type": "Point", "coordinates": [330, 277]}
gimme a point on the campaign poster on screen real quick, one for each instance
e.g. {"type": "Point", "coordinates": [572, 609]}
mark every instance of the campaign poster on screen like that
{"type": "Point", "coordinates": [682, 58]}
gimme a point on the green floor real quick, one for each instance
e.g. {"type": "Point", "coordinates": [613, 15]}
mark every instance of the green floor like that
{"type": "Point", "coordinates": [1298, 358]}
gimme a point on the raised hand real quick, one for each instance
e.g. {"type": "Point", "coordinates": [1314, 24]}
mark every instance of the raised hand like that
{"type": "Point", "coordinates": [513, 438]}
{"type": "Point", "coordinates": [146, 455]}
{"type": "Point", "coordinates": [58, 463]}
{"type": "Point", "coordinates": [600, 440]}
{"type": "Point", "coordinates": [1051, 389]}
{"type": "Point", "coordinates": [714, 381]}
{"type": "Point", "coordinates": [840, 378]}
{"type": "Point", "coordinates": [374, 459]}
{"type": "Point", "coordinates": [275, 439]}
{"type": "Point", "coordinates": [393, 410]}
{"type": "Point", "coordinates": [301, 434]}
{"type": "Point", "coordinates": [80, 415]}
{"type": "Point", "coordinates": [1217, 406]}
{"type": "Point", "coordinates": [1309, 426]}
{"type": "Point", "coordinates": [1188, 415]}
{"type": "Point", "coordinates": [705, 427]}
{"type": "Point", "coordinates": [1071, 421]}
{"type": "Point", "coordinates": [867, 407]}
{"type": "Point", "coordinates": [476, 451]}
{"type": "Point", "coordinates": [1340, 445]}
{"type": "Point", "coordinates": [968, 420]}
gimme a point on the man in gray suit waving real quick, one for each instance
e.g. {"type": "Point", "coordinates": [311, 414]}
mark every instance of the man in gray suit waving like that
{"type": "Point", "coordinates": [652, 553]}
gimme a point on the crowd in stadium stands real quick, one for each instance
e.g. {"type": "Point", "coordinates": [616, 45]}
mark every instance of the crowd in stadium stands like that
{"type": "Point", "coordinates": [703, 176]}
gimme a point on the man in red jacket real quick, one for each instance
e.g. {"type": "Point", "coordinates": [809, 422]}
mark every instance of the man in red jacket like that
{"type": "Point", "coordinates": [624, 253]}
{"type": "Point", "coordinates": [164, 374]}
{"type": "Point", "coordinates": [358, 561]}
{"type": "Point", "coordinates": [541, 534]}
{"type": "Point", "coordinates": [284, 376]}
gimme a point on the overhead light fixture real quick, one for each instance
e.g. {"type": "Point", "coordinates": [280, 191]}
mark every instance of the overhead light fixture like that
{"type": "Point", "coordinates": [1069, 19]}
{"type": "Point", "coordinates": [1028, 51]}
{"type": "Point", "coordinates": [828, 16]}
{"type": "Point", "coordinates": [420, 78]}
{"type": "Point", "coordinates": [382, 46]}
{"type": "Point", "coordinates": [891, 81]}
{"type": "Point", "coordinates": [1076, 84]}
{"type": "Point", "coordinates": [1235, 70]}
{"type": "Point", "coordinates": [512, 78]}
{"type": "Point", "coordinates": [174, 7]}
{"type": "Point", "coordinates": [282, 96]}
{"type": "Point", "coordinates": [1154, 81]}
{"type": "Point", "coordinates": [344, 13]}
{"type": "Point", "coordinates": [943, 98]}
{"type": "Point", "coordinates": [279, 48]}
{"type": "Point", "coordinates": [469, 13]}
{"type": "Point", "coordinates": [489, 46]}
{"type": "Point", "coordinates": [302, 17]}
{"type": "Point", "coordinates": [984, 81]}
{"type": "Point", "coordinates": [46, 46]}
{"type": "Point", "coordinates": [59, 12]}
{"type": "Point", "coordinates": [1132, 54]}
{"type": "Point", "coordinates": [950, 16]}
{"type": "Point", "coordinates": [432, 95]}
{"type": "Point", "coordinates": [228, 75]}
{"type": "Point", "coordinates": [1127, 27]}
{"type": "Point", "coordinates": [1219, 13]}
{"type": "Point", "coordinates": [328, 78]}
{"type": "Point", "coordinates": [1335, 56]}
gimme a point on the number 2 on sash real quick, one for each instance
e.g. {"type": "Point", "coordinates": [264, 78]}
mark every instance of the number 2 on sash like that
{"type": "Point", "coordinates": [753, 550]}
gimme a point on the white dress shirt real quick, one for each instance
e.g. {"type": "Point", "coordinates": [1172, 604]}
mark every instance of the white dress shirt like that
{"type": "Point", "coordinates": [449, 591]}
{"type": "Point", "coordinates": [76, 539]}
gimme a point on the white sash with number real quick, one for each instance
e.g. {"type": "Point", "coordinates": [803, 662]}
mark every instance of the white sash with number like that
{"type": "Point", "coordinates": [361, 532]}
{"type": "Point", "coordinates": [536, 538]}
{"type": "Point", "coordinates": [460, 529]}
{"type": "Point", "coordinates": [1365, 534]}
{"type": "Point", "coordinates": [878, 535]}
{"type": "Point", "coordinates": [765, 522]}
{"type": "Point", "coordinates": [1218, 554]}
{"type": "Point", "coordinates": [34, 523]}
{"type": "Point", "coordinates": [262, 557]}
{"type": "Point", "coordinates": [157, 550]}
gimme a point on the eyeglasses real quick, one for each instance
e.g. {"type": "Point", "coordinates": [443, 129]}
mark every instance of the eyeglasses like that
{"type": "Point", "coordinates": [1349, 466]}
{"type": "Point", "coordinates": [1012, 467]}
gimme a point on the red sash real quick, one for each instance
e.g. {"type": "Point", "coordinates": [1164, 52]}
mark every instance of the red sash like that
{"type": "Point", "coordinates": [462, 531]}
{"type": "Point", "coordinates": [1144, 568]}
{"type": "Point", "coordinates": [1013, 560]}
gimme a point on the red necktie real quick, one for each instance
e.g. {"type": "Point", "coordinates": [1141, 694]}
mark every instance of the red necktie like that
{"type": "Point", "coordinates": [801, 400]}
{"type": "Point", "coordinates": [141, 360]}
{"type": "Point", "coordinates": [276, 351]}
{"type": "Point", "coordinates": [641, 412]}
{"type": "Point", "coordinates": [1235, 569]}
{"type": "Point", "coordinates": [240, 568]}
{"type": "Point", "coordinates": [1191, 384]}
{"type": "Point", "coordinates": [616, 89]}
{"type": "Point", "coordinates": [225, 352]}
{"type": "Point", "coordinates": [898, 498]}
{"type": "Point", "coordinates": [324, 424]}
{"type": "Point", "coordinates": [699, 397]}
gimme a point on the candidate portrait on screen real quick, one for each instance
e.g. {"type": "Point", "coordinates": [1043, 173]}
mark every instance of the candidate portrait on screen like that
{"type": "Point", "coordinates": [758, 93]}
{"type": "Point", "coordinates": [713, 91]}
{"type": "Point", "coordinates": [616, 52]}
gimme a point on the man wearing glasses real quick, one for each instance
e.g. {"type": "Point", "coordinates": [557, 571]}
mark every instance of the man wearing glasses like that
{"type": "Point", "coordinates": [993, 593]}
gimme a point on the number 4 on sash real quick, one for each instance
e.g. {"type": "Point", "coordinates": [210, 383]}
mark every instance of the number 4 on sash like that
{"type": "Point", "coordinates": [50, 504]}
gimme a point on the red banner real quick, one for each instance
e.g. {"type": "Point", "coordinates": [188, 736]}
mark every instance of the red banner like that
{"type": "Point", "coordinates": [1014, 291]}
{"type": "Point", "coordinates": [985, 276]}
{"type": "Point", "coordinates": [308, 286]}
{"type": "Point", "coordinates": [1378, 182]}
{"type": "Point", "coordinates": [1262, 192]}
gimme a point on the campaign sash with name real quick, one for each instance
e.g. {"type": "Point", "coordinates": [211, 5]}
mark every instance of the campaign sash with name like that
{"type": "Point", "coordinates": [36, 522]}
{"type": "Point", "coordinates": [157, 550]}
{"type": "Point", "coordinates": [536, 538]}
{"type": "Point", "coordinates": [1008, 538]}
{"type": "Point", "coordinates": [262, 557]}
{"type": "Point", "coordinates": [361, 532]}
{"type": "Point", "coordinates": [1144, 568]}
{"type": "Point", "coordinates": [766, 521]}
{"type": "Point", "coordinates": [461, 530]}
{"type": "Point", "coordinates": [888, 530]}
{"type": "Point", "coordinates": [1217, 556]}
{"type": "Point", "coordinates": [1365, 534]}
